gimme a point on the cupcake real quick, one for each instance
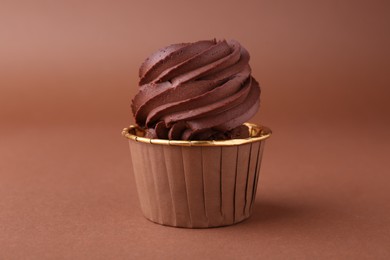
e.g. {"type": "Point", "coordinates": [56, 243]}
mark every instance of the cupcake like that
{"type": "Point", "coordinates": [196, 162]}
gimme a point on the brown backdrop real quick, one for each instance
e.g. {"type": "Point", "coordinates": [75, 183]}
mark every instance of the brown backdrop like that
{"type": "Point", "coordinates": [68, 70]}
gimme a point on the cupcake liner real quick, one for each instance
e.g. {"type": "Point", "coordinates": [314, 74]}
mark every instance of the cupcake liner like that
{"type": "Point", "coordinates": [196, 184]}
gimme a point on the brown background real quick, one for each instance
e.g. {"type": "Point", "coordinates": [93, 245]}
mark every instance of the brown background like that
{"type": "Point", "coordinates": [68, 70]}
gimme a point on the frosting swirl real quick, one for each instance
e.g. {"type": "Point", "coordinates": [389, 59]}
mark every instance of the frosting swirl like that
{"type": "Point", "coordinates": [196, 91]}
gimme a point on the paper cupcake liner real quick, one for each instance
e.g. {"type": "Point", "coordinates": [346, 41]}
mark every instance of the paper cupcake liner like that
{"type": "Point", "coordinates": [196, 184]}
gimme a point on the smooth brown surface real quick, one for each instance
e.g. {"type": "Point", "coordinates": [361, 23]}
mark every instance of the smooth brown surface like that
{"type": "Point", "coordinates": [67, 73]}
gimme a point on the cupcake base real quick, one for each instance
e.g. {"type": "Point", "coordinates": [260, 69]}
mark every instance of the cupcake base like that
{"type": "Point", "coordinates": [199, 184]}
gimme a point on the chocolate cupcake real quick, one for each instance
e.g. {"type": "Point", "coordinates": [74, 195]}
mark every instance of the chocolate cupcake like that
{"type": "Point", "coordinates": [195, 160]}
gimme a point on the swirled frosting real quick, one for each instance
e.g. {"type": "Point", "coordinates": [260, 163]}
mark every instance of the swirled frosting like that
{"type": "Point", "coordinates": [196, 91]}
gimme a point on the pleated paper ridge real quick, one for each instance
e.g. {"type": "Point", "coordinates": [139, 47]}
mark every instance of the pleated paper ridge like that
{"type": "Point", "coordinates": [196, 187]}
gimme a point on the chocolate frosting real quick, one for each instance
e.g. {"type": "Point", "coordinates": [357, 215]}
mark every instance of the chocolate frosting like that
{"type": "Point", "coordinates": [196, 91]}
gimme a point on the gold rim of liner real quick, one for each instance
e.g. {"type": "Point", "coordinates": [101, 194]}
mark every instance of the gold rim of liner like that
{"type": "Point", "coordinates": [257, 133]}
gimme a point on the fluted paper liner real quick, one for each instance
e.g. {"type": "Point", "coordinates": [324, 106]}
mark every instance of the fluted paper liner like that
{"type": "Point", "coordinates": [196, 184]}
